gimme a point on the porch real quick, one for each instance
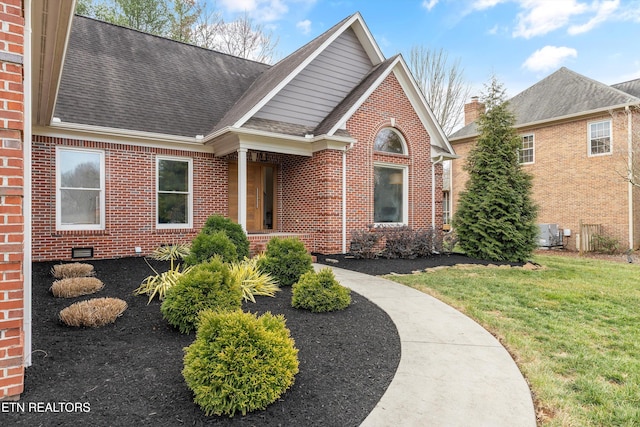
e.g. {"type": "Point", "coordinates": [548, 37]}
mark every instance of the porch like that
{"type": "Point", "coordinates": [258, 241]}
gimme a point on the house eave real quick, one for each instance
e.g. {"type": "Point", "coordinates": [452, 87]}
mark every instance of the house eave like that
{"type": "Point", "coordinates": [119, 136]}
{"type": "Point", "coordinates": [232, 139]}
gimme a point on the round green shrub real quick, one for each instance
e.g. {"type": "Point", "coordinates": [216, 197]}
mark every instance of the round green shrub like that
{"type": "Point", "coordinates": [320, 292]}
{"type": "Point", "coordinates": [286, 260]}
{"type": "Point", "coordinates": [239, 362]}
{"type": "Point", "coordinates": [207, 286]}
{"type": "Point", "coordinates": [206, 245]}
{"type": "Point", "coordinates": [235, 232]}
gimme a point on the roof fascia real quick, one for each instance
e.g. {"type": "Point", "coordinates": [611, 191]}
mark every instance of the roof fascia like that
{"type": "Point", "coordinates": [120, 136]}
{"type": "Point", "coordinates": [229, 140]}
{"type": "Point", "coordinates": [356, 18]}
{"type": "Point", "coordinates": [560, 118]}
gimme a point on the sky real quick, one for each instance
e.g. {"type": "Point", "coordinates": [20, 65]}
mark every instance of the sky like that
{"type": "Point", "coordinates": [518, 41]}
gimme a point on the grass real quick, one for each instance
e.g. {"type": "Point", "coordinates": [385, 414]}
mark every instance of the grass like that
{"type": "Point", "coordinates": [573, 328]}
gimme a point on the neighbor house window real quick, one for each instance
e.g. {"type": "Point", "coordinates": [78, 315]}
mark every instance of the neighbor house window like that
{"type": "Point", "coordinates": [79, 189]}
{"type": "Point", "coordinates": [525, 153]}
{"type": "Point", "coordinates": [446, 209]}
{"type": "Point", "coordinates": [600, 137]}
{"type": "Point", "coordinates": [390, 194]}
{"type": "Point", "coordinates": [174, 192]}
{"type": "Point", "coordinates": [389, 140]}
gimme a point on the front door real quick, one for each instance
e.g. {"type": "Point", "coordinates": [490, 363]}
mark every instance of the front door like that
{"type": "Point", "coordinates": [260, 195]}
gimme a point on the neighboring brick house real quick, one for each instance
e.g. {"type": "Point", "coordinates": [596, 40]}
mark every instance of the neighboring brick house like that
{"type": "Point", "coordinates": [578, 136]}
{"type": "Point", "coordinates": [131, 141]}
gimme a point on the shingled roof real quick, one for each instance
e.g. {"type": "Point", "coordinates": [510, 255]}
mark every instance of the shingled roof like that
{"type": "Point", "coordinates": [116, 77]}
{"type": "Point", "coordinates": [563, 93]}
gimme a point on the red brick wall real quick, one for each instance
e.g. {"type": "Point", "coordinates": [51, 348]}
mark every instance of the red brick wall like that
{"type": "Point", "coordinates": [130, 200]}
{"type": "Point", "coordinates": [11, 199]}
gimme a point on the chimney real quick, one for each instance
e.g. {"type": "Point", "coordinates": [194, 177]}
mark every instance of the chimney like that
{"type": "Point", "coordinates": [473, 110]}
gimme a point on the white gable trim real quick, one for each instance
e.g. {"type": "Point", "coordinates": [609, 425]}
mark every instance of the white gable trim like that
{"type": "Point", "coordinates": [364, 36]}
{"type": "Point", "coordinates": [419, 103]}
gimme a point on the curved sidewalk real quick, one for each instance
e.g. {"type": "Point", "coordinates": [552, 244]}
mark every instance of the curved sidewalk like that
{"type": "Point", "coordinates": [452, 372]}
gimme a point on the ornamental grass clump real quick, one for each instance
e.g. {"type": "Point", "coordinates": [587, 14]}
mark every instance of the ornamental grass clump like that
{"type": "Point", "coordinates": [207, 286]}
{"type": "Point", "coordinates": [205, 246]}
{"type": "Point", "coordinates": [75, 287]}
{"type": "Point", "coordinates": [159, 283]}
{"type": "Point", "coordinates": [253, 281]}
{"type": "Point", "coordinates": [320, 292]}
{"type": "Point", "coordinates": [93, 313]}
{"type": "Point", "coordinates": [74, 269]}
{"type": "Point", "coordinates": [239, 362]}
{"type": "Point", "coordinates": [286, 260]}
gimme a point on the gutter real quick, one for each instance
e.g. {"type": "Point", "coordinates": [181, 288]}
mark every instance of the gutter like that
{"type": "Point", "coordinates": [630, 174]}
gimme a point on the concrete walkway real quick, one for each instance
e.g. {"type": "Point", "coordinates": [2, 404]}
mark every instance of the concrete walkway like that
{"type": "Point", "coordinates": [452, 372]}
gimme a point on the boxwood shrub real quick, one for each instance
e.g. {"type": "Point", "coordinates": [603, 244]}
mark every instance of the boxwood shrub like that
{"type": "Point", "coordinates": [207, 245]}
{"type": "Point", "coordinates": [286, 259]}
{"type": "Point", "coordinates": [239, 362]}
{"type": "Point", "coordinates": [207, 286]}
{"type": "Point", "coordinates": [235, 232]}
{"type": "Point", "coordinates": [320, 292]}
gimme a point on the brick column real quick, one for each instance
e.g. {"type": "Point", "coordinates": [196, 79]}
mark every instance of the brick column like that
{"type": "Point", "coordinates": [11, 199]}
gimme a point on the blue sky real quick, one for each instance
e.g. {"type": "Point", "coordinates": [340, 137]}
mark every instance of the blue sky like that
{"type": "Point", "coordinates": [520, 41]}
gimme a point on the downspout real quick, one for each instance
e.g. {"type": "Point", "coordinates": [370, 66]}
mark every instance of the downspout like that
{"type": "Point", "coordinates": [26, 201]}
{"type": "Point", "coordinates": [630, 175]}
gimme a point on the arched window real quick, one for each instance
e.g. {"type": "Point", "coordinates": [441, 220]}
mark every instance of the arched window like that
{"type": "Point", "coordinates": [389, 140]}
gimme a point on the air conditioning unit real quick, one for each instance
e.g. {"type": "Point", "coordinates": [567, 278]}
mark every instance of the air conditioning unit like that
{"type": "Point", "coordinates": [550, 236]}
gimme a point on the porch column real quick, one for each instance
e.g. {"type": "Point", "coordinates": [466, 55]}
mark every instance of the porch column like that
{"type": "Point", "coordinates": [242, 188]}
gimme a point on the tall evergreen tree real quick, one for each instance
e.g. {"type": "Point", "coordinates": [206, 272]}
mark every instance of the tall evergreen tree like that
{"type": "Point", "coordinates": [495, 218]}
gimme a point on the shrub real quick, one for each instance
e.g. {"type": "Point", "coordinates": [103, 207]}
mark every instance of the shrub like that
{"type": "Point", "coordinates": [404, 242]}
{"type": "Point", "coordinates": [75, 287]}
{"type": "Point", "coordinates": [253, 281]}
{"type": "Point", "coordinates": [207, 286]}
{"type": "Point", "coordinates": [94, 312]}
{"type": "Point", "coordinates": [207, 245]}
{"type": "Point", "coordinates": [235, 232]}
{"type": "Point", "coordinates": [239, 362]}
{"type": "Point", "coordinates": [160, 283]}
{"type": "Point", "coordinates": [320, 292]}
{"type": "Point", "coordinates": [449, 242]}
{"type": "Point", "coordinates": [74, 269]}
{"type": "Point", "coordinates": [605, 244]}
{"type": "Point", "coordinates": [364, 244]}
{"type": "Point", "coordinates": [285, 260]}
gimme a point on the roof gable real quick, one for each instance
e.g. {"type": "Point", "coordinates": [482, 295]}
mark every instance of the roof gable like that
{"type": "Point", "coordinates": [631, 87]}
{"type": "Point", "coordinates": [116, 77]}
{"type": "Point", "coordinates": [564, 93]}
{"type": "Point", "coordinates": [273, 83]}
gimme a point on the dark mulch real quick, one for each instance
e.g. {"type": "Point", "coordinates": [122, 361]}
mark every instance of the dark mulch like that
{"type": "Point", "coordinates": [129, 373]}
{"type": "Point", "coordinates": [381, 266]}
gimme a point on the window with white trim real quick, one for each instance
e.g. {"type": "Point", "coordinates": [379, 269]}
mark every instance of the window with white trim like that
{"type": "Point", "coordinates": [600, 138]}
{"type": "Point", "coordinates": [526, 150]}
{"type": "Point", "coordinates": [390, 194]}
{"type": "Point", "coordinates": [80, 190]}
{"type": "Point", "coordinates": [174, 200]}
{"type": "Point", "coordinates": [388, 140]}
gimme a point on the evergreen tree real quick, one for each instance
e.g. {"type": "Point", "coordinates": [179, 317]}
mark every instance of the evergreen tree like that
{"type": "Point", "coordinates": [495, 218]}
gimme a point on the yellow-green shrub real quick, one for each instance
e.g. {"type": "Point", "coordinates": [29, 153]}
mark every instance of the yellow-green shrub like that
{"type": "Point", "coordinates": [320, 292]}
{"type": "Point", "coordinates": [206, 286]}
{"type": "Point", "coordinates": [239, 362]}
{"type": "Point", "coordinates": [286, 260]}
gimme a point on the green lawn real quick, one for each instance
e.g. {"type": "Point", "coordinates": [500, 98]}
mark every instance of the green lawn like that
{"type": "Point", "coordinates": [573, 327]}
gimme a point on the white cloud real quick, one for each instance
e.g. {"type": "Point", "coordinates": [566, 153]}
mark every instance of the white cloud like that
{"type": "Point", "coordinates": [261, 10]}
{"type": "Point", "coordinates": [485, 4]}
{"type": "Point", "coordinates": [429, 4]}
{"type": "Point", "coordinates": [542, 16]}
{"type": "Point", "coordinates": [304, 26]}
{"type": "Point", "coordinates": [604, 11]}
{"type": "Point", "coordinates": [548, 58]}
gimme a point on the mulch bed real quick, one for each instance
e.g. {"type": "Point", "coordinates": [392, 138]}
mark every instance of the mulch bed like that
{"type": "Point", "coordinates": [129, 373]}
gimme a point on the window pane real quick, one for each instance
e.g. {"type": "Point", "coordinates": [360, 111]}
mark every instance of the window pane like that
{"type": "Point", "coordinates": [80, 206]}
{"type": "Point", "coordinates": [79, 169]}
{"type": "Point", "coordinates": [600, 137]}
{"type": "Point", "coordinates": [173, 176]}
{"type": "Point", "coordinates": [173, 208]}
{"type": "Point", "coordinates": [389, 141]}
{"type": "Point", "coordinates": [388, 191]}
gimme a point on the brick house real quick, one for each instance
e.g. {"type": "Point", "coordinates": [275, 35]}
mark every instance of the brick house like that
{"type": "Point", "coordinates": [130, 141]}
{"type": "Point", "coordinates": [578, 137]}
